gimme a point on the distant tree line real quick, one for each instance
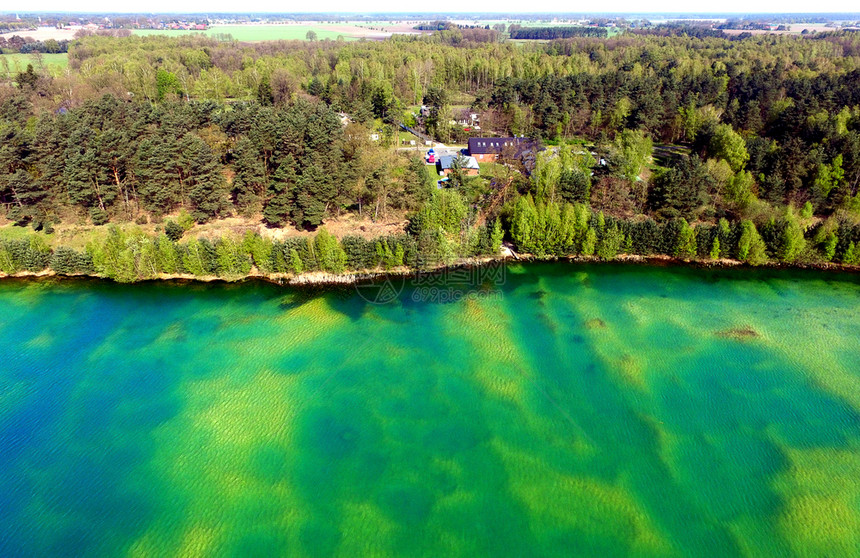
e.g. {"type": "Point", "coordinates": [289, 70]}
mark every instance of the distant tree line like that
{"type": "Point", "coordinates": [681, 29]}
{"type": "Point", "coordinates": [28, 45]}
{"type": "Point", "coordinates": [550, 33]}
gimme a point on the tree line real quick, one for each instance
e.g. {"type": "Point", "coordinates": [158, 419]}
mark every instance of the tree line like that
{"type": "Point", "coordinates": [111, 159]}
{"type": "Point", "coordinates": [565, 229]}
{"type": "Point", "coordinates": [550, 33]}
{"type": "Point", "coordinates": [28, 45]}
{"type": "Point", "coordinates": [675, 132]}
{"type": "Point", "coordinates": [443, 232]}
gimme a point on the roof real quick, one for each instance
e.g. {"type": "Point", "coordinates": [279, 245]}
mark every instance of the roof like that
{"type": "Point", "coordinates": [479, 146]}
{"type": "Point", "coordinates": [445, 162]}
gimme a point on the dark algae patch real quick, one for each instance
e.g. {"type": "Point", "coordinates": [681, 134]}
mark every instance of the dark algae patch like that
{"type": "Point", "coordinates": [743, 333]}
{"type": "Point", "coordinates": [595, 323]}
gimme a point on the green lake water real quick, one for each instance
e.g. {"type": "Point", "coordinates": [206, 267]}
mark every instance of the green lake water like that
{"type": "Point", "coordinates": [556, 410]}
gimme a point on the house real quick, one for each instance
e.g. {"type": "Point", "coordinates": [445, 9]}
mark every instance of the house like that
{"type": "Point", "coordinates": [467, 119]}
{"type": "Point", "coordinates": [490, 149]}
{"type": "Point", "coordinates": [344, 119]}
{"type": "Point", "coordinates": [446, 162]}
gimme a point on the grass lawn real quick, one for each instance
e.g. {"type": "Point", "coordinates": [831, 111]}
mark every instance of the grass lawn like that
{"type": "Point", "coordinates": [252, 33]}
{"type": "Point", "coordinates": [493, 169]}
{"type": "Point", "coordinates": [18, 62]}
{"type": "Point", "coordinates": [73, 236]}
{"type": "Point", "coordinates": [11, 232]}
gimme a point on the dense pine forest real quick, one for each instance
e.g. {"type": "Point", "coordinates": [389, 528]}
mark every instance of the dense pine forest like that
{"type": "Point", "coordinates": [701, 147]}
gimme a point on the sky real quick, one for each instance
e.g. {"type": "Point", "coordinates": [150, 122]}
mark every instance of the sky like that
{"type": "Point", "coordinates": [436, 6]}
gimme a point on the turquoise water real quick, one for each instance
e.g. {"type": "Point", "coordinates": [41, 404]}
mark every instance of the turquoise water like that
{"type": "Point", "coordinates": [555, 411]}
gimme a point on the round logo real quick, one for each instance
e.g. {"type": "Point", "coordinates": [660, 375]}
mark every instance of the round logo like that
{"type": "Point", "coordinates": [381, 290]}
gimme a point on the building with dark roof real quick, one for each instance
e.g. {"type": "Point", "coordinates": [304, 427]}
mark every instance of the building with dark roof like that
{"type": "Point", "coordinates": [490, 149]}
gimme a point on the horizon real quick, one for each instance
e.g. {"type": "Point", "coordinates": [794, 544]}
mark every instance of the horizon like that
{"type": "Point", "coordinates": [389, 8]}
{"type": "Point", "coordinates": [430, 13]}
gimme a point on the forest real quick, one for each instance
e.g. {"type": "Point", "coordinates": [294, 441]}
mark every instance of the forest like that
{"type": "Point", "coordinates": [696, 147]}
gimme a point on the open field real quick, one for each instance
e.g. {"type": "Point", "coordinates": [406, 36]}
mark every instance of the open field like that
{"type": "Point", "coordinates": [794, 29]}
{"type": "Point", "coordinates": [45, 33]}
{"type": "Point", "coordinates": [18, 62]}
{"type": "Point", "coordinates": [295, 31]}
{"type": "Point", "coordinates": [257, 32]}
{"type": "Point", "coordinates": [251, 32]}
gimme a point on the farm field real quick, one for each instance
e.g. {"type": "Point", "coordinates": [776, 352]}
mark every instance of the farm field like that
{"type": "Point", "coordinates": [18, 62]}
{"type": "Point", "coordinates": [294, 31]}
{"type": "Point", "coordinates": [45, 33]}
{"type": "Point", "coordinates": [793, 29]}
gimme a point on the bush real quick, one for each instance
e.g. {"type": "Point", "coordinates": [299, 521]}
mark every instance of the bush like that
{"type": "Point", "coordinates": [360, 253]}
{"type": "Point", "coordinates": [331, 256]}
{"type": "Point", "coordinates": [173, 231]}
{"type": "Point", "coordinates": [67, 261]}
{"type": "Point", "coordinates": [185, 220]}
{"type": "Point", "coordinates": [99, 216]}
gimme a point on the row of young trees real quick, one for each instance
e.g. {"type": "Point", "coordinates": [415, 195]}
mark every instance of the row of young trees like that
{"type": "Point", "coordinates": [445, 230]}
{"type": "Point", "coordinates": [565, 229]}
{"type": "Point", "coordinates": [438, 235]}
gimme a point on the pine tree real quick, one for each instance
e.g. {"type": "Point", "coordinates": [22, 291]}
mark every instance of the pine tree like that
{"type": "Point", "coordinates": [851, 255]}
{"type": "Point", "coordinates": [296, 262]}
{"type": "Point", "coordinates": [610, 243]}
{"type": "Point", "coordinates": [250, 182]}
{"type": "Point", "coordinates": [159, 173]}
{"type": "Point", "coordinates": [207, 188]}
{"type": "Point", "coordinates": [496, 237]}
{"type": "Point", "coordinates": [166, 255]}
{"type": "Point", "coordinates": [751, 247]}
{"type": "Point", "coordinates": [331, 256]}
{"type": "Point", "coordinates": [589, 243]}
{"type": "Point", "coordinates": [227, 262]}
{"type": "Point", "coordinates": [714, 254]}
{"type": "Point", "coordinates": [685, 245]}
{"type": "Point", "coordinates": [259, 249]}
{"type": "Point", "coordinates": [278, 205]}
{"type": "Point", "coordinates": [193, 259]}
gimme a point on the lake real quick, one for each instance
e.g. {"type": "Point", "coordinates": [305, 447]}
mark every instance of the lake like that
{"type": "Point", "coordinates": [532, 410]}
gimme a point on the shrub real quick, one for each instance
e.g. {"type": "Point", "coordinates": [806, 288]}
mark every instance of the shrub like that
{"type": "Point", "coordinates": [173, 231]}
{"type": "Point", "coordinates": [99, 216]}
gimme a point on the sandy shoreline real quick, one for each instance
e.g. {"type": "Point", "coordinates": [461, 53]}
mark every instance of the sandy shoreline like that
{"type": "Point", "coordinates": [323, 279]}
